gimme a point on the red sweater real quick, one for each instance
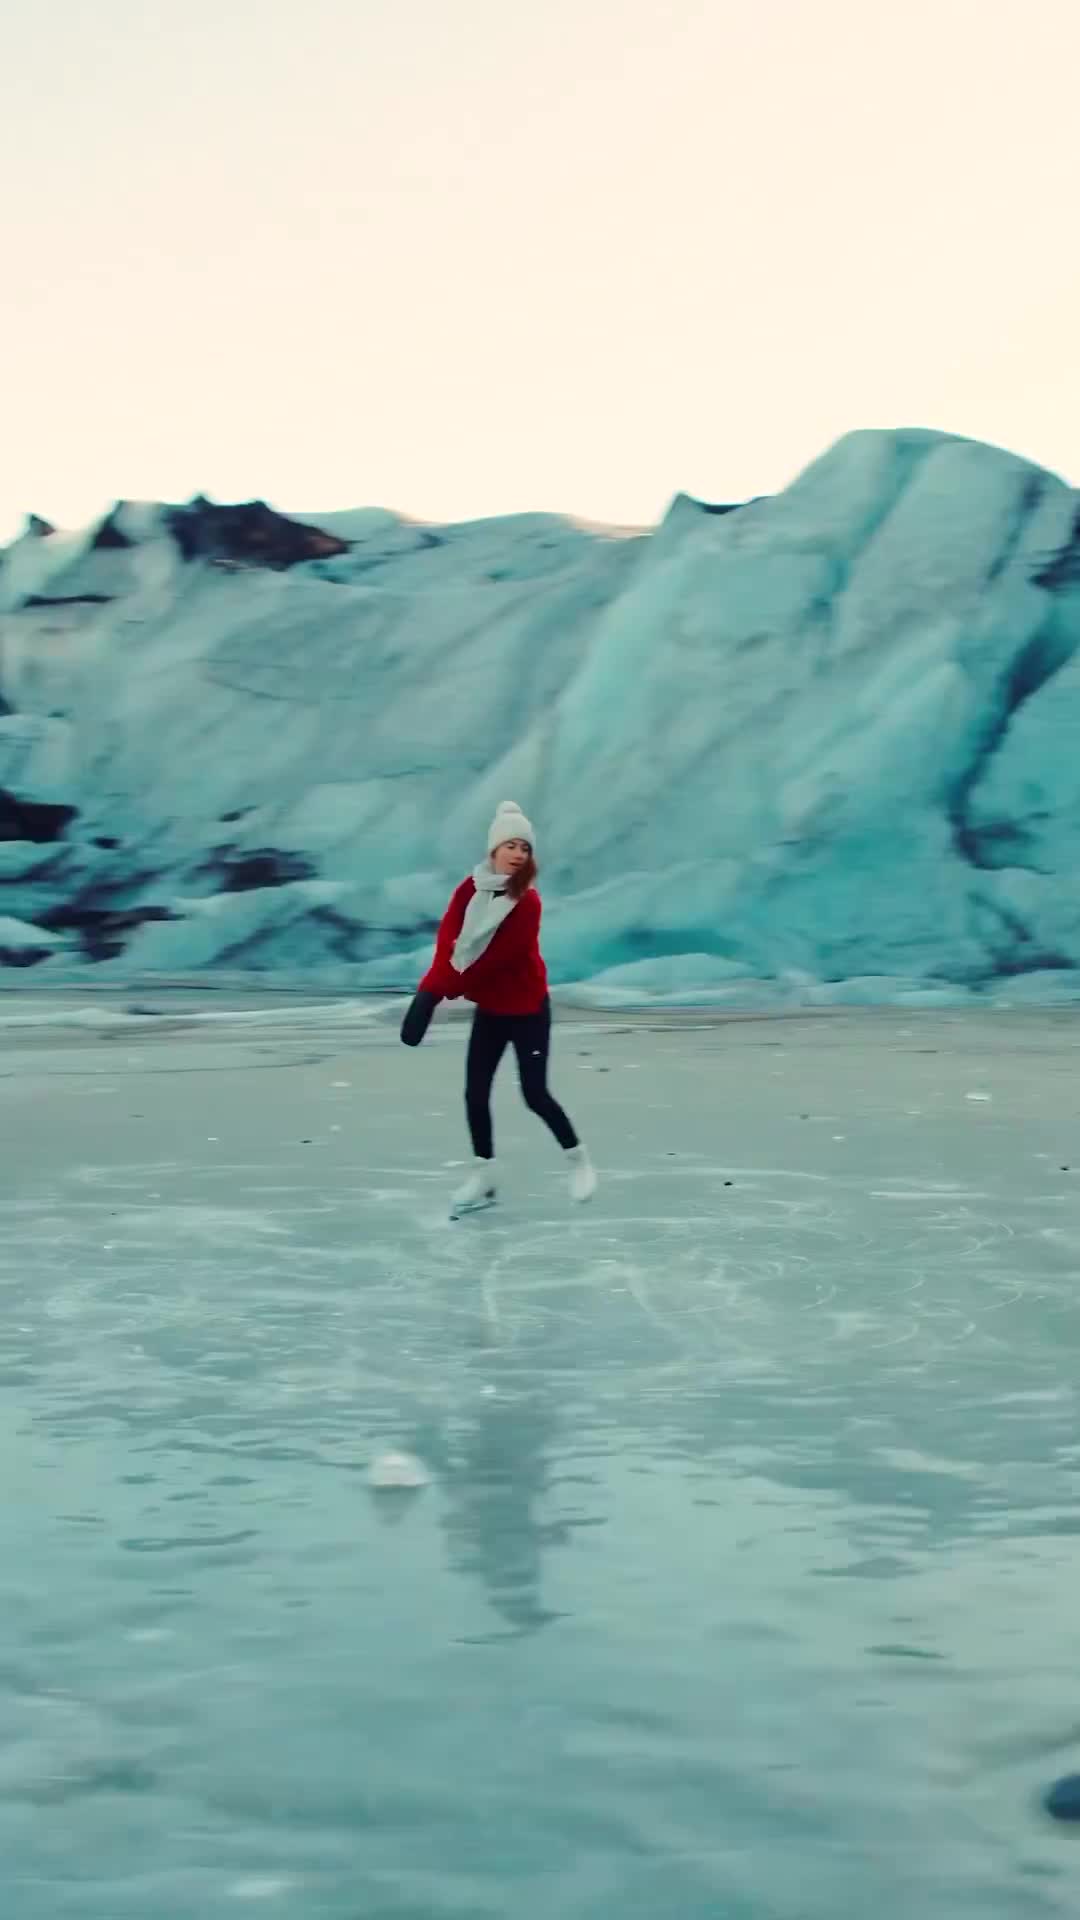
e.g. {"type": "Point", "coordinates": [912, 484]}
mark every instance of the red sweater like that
{"type": "Point", "coordinates": [509, 976]}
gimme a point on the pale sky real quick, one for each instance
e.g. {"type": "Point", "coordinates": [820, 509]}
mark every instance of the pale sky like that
{"type": "Point", "coordinates": [461, 257]}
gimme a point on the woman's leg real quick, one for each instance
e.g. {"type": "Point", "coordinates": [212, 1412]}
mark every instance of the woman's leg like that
{"type": "Point", "coordinates": [532, 1044]}
{"type": "Point", "coordinates": [487, 1044]}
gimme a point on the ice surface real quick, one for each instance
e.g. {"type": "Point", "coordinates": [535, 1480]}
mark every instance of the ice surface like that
{"type": "Point", "coordinates": [824, 738]}
{"type": "Point", "coordinates": [745, 1579]}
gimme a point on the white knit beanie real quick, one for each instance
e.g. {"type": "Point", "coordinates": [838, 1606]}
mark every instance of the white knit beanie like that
{"type": "Point", "coordinates": [510, 824]}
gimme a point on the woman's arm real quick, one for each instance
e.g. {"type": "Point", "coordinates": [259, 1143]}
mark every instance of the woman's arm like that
{"type": "Point", "coordinates": [441, 977]}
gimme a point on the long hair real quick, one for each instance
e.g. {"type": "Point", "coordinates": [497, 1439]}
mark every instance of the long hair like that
{"type": "Point", "coordinates": [522, 880]}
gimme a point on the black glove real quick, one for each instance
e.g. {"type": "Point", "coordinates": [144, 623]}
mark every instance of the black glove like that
{"type": "Point", "coordinates": [418, 1017]}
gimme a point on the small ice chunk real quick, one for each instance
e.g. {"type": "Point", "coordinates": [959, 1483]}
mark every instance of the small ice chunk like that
{"type": "Point", "coordinates": [396, 1472]}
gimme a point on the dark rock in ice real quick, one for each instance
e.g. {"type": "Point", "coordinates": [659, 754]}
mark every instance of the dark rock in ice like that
{"type": "Point", "coordinates": [36, 820]}
{"type": "Point", "coordinates": [23, 956]}
{"type": "Point", "coordinates": [67, 600]}
{"type": "Point", "coordinates": [102, 930]}
{"type": "Point", "coordinates": [110, 535]}
{"type": "Point", "coordinates": [248, 535]}
{"type": "Point", "coordinates": [260, 867]}
{"type": "Point", "coordinates": [1062, 1800]}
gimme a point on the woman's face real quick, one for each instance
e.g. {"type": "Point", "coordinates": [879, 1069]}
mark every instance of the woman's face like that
{"type": "Point", "coordinates": [511, 856]}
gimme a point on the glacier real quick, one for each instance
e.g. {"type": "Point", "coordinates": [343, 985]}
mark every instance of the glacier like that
{"type": "Point", "coordinates": [815, 748]}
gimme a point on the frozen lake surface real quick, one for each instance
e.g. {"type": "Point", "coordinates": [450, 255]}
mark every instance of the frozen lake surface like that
{"type": "Point", "coordinates": [744, 1582]}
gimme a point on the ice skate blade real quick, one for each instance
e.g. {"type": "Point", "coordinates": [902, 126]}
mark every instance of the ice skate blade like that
{"type": "Point", "coordinates": [473, 1206]}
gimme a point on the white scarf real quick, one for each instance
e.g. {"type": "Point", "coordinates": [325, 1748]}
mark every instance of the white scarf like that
{"type": "Point", "coordinates": [484, 916]}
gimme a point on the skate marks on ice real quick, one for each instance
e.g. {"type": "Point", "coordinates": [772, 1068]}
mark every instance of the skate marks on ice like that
{"type": "Point", "coordinates": [786, 1265]}
{"type": "Point", "coordinates": [820, 1325]}
{"type": "Point", "coordinates": [720, 1266]}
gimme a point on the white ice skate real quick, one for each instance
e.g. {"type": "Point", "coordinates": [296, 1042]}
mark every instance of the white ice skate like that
{"type": "Point", "coordinates": [478, 1191]}
{"type": "Point", "coordinates": [582, 1174]}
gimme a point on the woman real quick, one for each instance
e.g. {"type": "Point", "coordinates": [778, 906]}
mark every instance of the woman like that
{"type": "Point", "coordinates": [488, 951]}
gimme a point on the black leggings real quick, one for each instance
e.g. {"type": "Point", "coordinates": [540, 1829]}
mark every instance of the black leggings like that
{"type": "Point", "coordinates": [530, 1036]}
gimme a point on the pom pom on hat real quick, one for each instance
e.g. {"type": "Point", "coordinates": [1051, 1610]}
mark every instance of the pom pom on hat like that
{"type": "Point", "coordinates": [510, 824]}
